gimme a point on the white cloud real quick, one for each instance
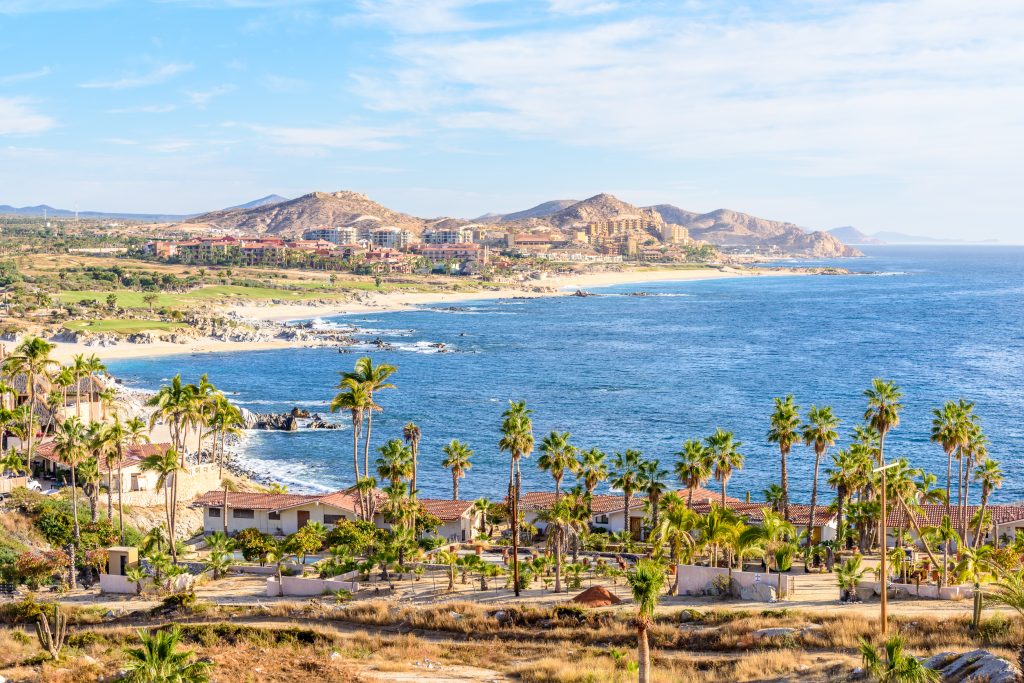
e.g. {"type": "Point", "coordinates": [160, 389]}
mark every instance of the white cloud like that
{"type": "Point", "coordinates": [419, 16]}
{"type": "Point", "coordinates": [25, 76]}
{"type": "Point", "coordinates": [17, 117]}
{"type": "Point", "coordinates": [157, 75]}
{"type": "Point", "coordinates": [201, 98]}
{"type": "Point", "coordinates": [581, 7]}
{"type": "Point", "coordinates": [144, 109]}
{"type": "Point", "coordinates": [366, 138]}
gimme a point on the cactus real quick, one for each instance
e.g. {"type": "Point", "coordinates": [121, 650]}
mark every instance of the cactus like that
{"type": "Point", "coordinates": [52, 638]}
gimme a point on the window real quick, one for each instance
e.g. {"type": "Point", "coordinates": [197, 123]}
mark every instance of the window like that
{"type": "Point", "coordinates": [242, 513]}
{"type": "Point", "coordinates": [602, 519]}
{"type": "Point", "coordinates": [333, 519]}
{"type": "Point", "coordinates": [215, 512]}
{"type": "Point", "coordinates": [274, 515]}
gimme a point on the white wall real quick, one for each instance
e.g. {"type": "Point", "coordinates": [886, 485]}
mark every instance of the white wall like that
{"type": "Point", "coordinates": [287, 524]}
{"type": "Point", "coordinates": [692, 580]}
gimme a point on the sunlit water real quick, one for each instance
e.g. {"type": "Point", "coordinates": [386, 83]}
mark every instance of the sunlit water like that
{"type": "Point", "coordinates": [648, 372]}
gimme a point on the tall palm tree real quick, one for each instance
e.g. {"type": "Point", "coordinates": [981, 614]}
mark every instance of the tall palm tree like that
{"type": "Point", "coordinates": [101, 446]}
{"type": "Point", "coordinates": [819, 433]}
{"type": "Point", "coordinates": [411, 433]}
{"type": "Point", "coordinates": [693, 467]}
{"type": "Point", "coordinates": [557, 456]}
{"type": "Point", "coordinates": [166, 466]}
{"type": "Point", "coordinates": [93, 368]}
{"type": "Point", "coordinates": [517, 440]}
{"type": "Point", "coordinates": [846, 475]}
{"type": "Point", "coordinates": [90, 477]}
{"type": "Point", "coordinates": [676, 524]}
{"type": "Point", "coordinates": [990, 475]}
{"type": "Point", "coordinates": [395, 462]}
{"type": "Point", "coordinates": [628, 479]}
{"type": "Point", "coordinates": [724, 456]}
{"type": "Point", "coordinates": [354, 399]}
{"type": "Point", "coordinates": [133, 434]}
{"type": "Point", "coordinates": [70, 445]}
{"type": "Point", "coordinates": [373, 378]}
{"type": "Point", "coordinates": [784, 430]}
{"type": "Point", "coordinates": [227, 486]}
{"type": "Point", "coordinates": [30, 358]}
{"type": "Point", "coordinates": [975, 449]}
{"type": "Point", "coordinates": [883, 414]}
{"type": "Point", "coordinates": [159, 659]}
{"type": "Point", "coordinates": [652, 482]}
{"type": "Point", "coordinates": [457, 460]}
{"type": "Point", "coordinates": [593, 470]}
{"type": "Point", "coordinates": [560, 526]}
{"type": "Point", "coordinates": [64, 379]}
{"type": "Point", "coordinates": [949, 430]}
{"type": "Point", "coordinates": [79, 369]}
{"type": "Point", "coordinates": [645, 583]}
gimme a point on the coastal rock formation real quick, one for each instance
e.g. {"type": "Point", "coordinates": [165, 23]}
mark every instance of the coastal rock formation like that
{"type": "Point", "coordinates": [977, 666]}
{"type": "Point", "coordinates": [291, 421]}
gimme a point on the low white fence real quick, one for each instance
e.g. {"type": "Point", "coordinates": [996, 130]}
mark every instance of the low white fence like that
{"type": "Point", "coordinates": [298, 586]}
{"type": "Point", "coordinates": [696, 580]}
{"type": "Point", "coordinates": [867, 589]}
{"type": "Point", "coordinates": [115, 583]}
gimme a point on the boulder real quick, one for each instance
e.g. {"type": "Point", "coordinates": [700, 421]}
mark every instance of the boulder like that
{"type": "Point", "coordinates": [977, 666]}
{"type": "Point", "coordinates": [761, 592]}
{"type": "Point", "coordinates": [774, 633]}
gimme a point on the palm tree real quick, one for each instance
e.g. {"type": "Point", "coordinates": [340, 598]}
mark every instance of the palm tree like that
{"type": "Point", "coordinates": [949, 429]}
{"type": "Point", "coordinates": [70, 446]}
{"type": "Point", "coordinates": [675, 529]}
{"type": "Point", "coordinates": [849, 574]}
{"type": "Point", "coordinates": [395, 462]}
{"type": "Point", "coordinates": [353, 398]}
{"type": "Point", "coordinates": [773, 530]}
{"type": "Point", "coordinates": [90, 477]}
{"type": "Point", "coordinates": [975, 448]}
{"type": "Point", "coordinates": [177, 405]}
{"type": "Point", "coordinates": [516, 439]}
{"type": "Point", "coordinates": [30, 358]}
{"type": "Point", "coordinates": [990, 475]}
{"type": "Point", "coordinates": [166, 467]}
{"type": "Point", "coordinates": [628, 479]}
{"type": "Point", "coordinates": [717, 529]}
{"type": "Point", "coordinates": [945, 533]}
{"type": "Point", "coordinates": [883, 414]}
{"type": "Point", "coordinates": [457, 456]}
{"type": "Point", "coordinates": [645, 583]}
{"type": "Point", "coordinates": [557, 456]}
{"type": "Point", "coordinates": [79, 370]}
{"type": "Point", "coordinates": [101, 445]}
{"type": "Point", "coordinates": [653, 484]}
{"type": "Point", "coordinates": [560, 527]}
{"type": "Point", "coordinates": [411, 434]}
{"type": "Point", "coordinates": [449, 558]}
{"type": "Point", "coordinates": [820, 433]}
{"type": "Point", "coordinates": [592, 471]}
{"type": "Point", "coordinates": [159, 660]}
{"type": "Point", "coordinates": [93, 367]}
{"type": "Point", "coordinates": [846, 475]}
{"type": "Point", "coordinates": [784, 430]}
{"type": "Point", "coordinates": [482, 507]}
{"type": "Point", "coordinates": [724, 456]}
{"type": "Point", "coordinates": [132, 433]}
{"type": "Point", "coordinates": [373, 378]}
{"type": "Point", "coordinates": [64, 379]}
{"type": "Point", "coordinates": [227, 485]}
{"type": "Point", "coordinates": [693, 467]}
{"type": "Point", "coordinates": [898, 666]}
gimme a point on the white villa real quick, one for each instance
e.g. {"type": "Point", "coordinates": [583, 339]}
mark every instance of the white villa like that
{"type": "Point", "coordinates": [133, 477]}
{"type": "Point", "coordinates": [460, 523]}
{"type": "Point", "coordinates": [1007, 520]}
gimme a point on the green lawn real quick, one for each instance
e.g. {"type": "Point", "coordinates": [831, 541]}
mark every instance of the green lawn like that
{"type": "Point", "coordinates": [120, 326]}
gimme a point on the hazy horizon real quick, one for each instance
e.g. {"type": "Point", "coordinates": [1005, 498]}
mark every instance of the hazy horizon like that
{"type": "Point", "coordinates": [887, 116]}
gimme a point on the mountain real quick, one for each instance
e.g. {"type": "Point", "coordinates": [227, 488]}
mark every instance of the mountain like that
{"type": "Point", "coordinates": [262, 201]}
{"type": "Point", "coordinates": [539, 211]}
{"type": "Point", "coordinates": [46, 210]}
{"type": "Point", "coordinates": [600, 207]}
{"type": "Point", "coordinates": [903, 238]}
{"type": "Point", "coordinates": [728, 228]}
{"type": "Point", "coordinates": [291, 217]}
{"type": "Point", "coordinates": [851, 235]}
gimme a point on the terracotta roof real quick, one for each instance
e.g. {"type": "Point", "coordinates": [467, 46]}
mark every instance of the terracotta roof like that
{"type": "Point", "coordinates": [279, 501]}
{"type": "Point", "coordinates": [605, 503]}
{"type": "Point", "coordinates": [133, 455]}
{"type": "Point", "coordinates": [931, 514]}
{"type": "Point", "coordinates": [446, 510]}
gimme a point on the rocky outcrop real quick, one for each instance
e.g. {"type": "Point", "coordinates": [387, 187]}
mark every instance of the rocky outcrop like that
{"type": "Point", "coordinates": [977, 666]}
{"type": "Point", "coordinates": [297, 418]}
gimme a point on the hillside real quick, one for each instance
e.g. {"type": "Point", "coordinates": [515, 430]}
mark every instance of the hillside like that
{"type": "Point", "coordinates": [728, 228]}
{"type": "Point", "coordinates": [291, 217]}
{"type": "Point", "coordinates": [42, 210]}
{"type": "Point", "coordinates": [262, 201]}
{"type": "Point", "coordinates": [599, 207]}
{"type": "Point", "coordinates": [540, 211]}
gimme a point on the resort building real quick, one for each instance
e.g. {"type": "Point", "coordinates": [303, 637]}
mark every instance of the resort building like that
{"type": "Point", "coordinates": [460, 523]}
{"type": "Point", "coordinates": [278, 514]}
{"type": "Point", "coordinates": [461, 253]}
{"type": "Point", "coordinates": [1007, 521]}
{"type": "Point", "coordinates": [674, 234]}
{"type": "Point", "coordinates": [391, 238]}
{"type": "Point", "coordinates": [447, 235]}
{"type": "Point", "coordinates": [342, 235]}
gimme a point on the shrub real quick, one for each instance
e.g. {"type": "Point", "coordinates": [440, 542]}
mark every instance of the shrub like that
{"type": "Point", "coordinates": [254, 544]}
{"type": "Point", "coordinates": [36, 567]}
{"type": "Point", "coordinates": [356, 536]}
{"type": "Point", "coordinates": [57, 526]}
{"type": "Point", "coordinates": [182, 600]}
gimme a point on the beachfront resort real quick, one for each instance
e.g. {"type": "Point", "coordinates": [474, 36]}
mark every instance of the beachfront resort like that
{"type": "Point", "coordinates": [127, 508]}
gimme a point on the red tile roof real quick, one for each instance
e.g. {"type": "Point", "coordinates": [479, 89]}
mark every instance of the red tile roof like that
{"type": "Point", "coordinates": [931, 514]}
{"type": "Point", "coordinates": [133, 455]}
{"type": "Point", "coordinates": [342, 500]}
{"type": "Point", "coordinates": [446, 510]}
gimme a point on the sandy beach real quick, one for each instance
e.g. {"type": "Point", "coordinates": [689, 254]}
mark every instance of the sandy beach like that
{"type": "Point", "coordinates": [393, 301]}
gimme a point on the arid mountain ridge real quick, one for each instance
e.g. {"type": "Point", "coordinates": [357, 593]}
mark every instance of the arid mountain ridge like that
{"type": "Point", "coordinates": [722, 227]}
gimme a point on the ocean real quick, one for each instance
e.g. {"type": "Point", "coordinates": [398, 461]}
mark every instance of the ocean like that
{"type": "Point", "coordinates": [647, 372]}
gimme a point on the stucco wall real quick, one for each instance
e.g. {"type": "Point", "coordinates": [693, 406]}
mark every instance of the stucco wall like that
{"type": "Point", "coordinates": [692, 580]}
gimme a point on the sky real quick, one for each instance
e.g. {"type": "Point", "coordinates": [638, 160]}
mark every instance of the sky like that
{"type": "Point", "coordinates": [900, 115]}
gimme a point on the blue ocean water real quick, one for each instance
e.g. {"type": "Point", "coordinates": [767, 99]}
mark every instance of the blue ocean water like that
{"type": "Point", "coordinates": [649, 372]}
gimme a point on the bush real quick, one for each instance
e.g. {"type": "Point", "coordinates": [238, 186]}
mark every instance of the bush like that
{"type": "Point", "coordinates": [182, 600]}
{"type": "Point", "coordinates": [254, 544]}
{"type": "Point", "coordinates": [356, 537]}
{"type": "Point", "coordinates": [428, 543]}
{"type": "Point", "coordinates": [56, 525]}
{"type": "Point", "coordinates": [35, 568]}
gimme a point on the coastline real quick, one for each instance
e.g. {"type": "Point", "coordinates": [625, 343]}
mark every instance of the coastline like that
{"type": "Point", "coordinates": [390, 302]}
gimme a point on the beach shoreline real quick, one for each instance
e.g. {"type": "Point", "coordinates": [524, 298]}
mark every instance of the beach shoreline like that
{"type": "Point", "coordinates": [392, 302]}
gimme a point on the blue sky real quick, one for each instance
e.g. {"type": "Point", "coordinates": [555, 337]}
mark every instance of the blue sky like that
{"type": "Point", "coordinates": [899, 115]}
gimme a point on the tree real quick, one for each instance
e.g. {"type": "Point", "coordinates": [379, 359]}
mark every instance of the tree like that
{"type": "Point", "coordinates": [784, 430]}
{"type": "Point", "coordinates": [166, 467]}
{"type": "Point", "coordinates": [949, 430]}
{"type": "Point", "coordinates": [652, 482]}
{"type": "Point", "coordinates": [675, 529]}
{"type": "Point", "coordinates": [724, 456]}
{"type": "Point", "coordinates": [70, 446]}
{"type": "Point", "coordinates": [560, 527]}
{"type": "Point", "coordinates": [482, 507]}
{"type": "Point", "coordinates": [150, 299]}
{"type": "Point", "coordinates": [883, 414]}
{"type": "Point", "coordinates": [897, 665]}
{"type": "Point", "coordinates": [628, 479]}
{"type": "Point", "coordinates": [990, 475]}
{"type": "Point", "coordinates": [557, 456]}
{"type": "Point", "coordinates": [847, 474]}
{"type": "Point", "coordinates": [693, 467]}
{"type": "Point", "coordinates": [372, 378]}
{"type": "Point", "coordinates": [133, 433]}
{"type": "Point", "coordinates": [819, 433]}
{"type": "Point", "coordinates": [228, 485]}
{"type": "Point", "coordinates": [517, 440]}
{"type": "Point", "coordinates": [411, 433]}
{"type": "Point", "coordinates": [449, 558]}
{"type": "Point", "coordinates": [101, 445]}
{"type": "Point", "coordinates": [592, 471]}
{"type": "Point", "coordinates": [219, 558]}
{"type": "Point", "coordinates": [159, 659]}
{"type": "Point", "coordinates": [353, 398]}
{"type": "Point", "coordinates": [395, 462]}
{"type": "Point", "coordinates": [457, 460]}
{"type": "Point", "coordinates": [90, 477]}
{"type": "Point", "coordinates": [849, 574]}
{"type": "Point", "coordinates": [645, 583]}
{"type": "Point", "coordinates": [30, 358]}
